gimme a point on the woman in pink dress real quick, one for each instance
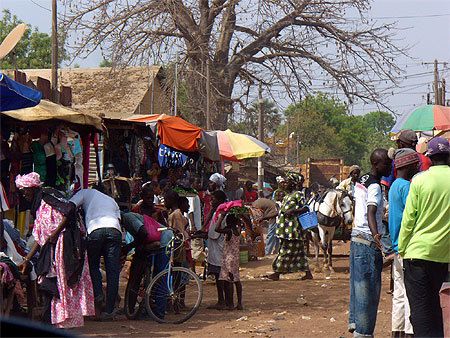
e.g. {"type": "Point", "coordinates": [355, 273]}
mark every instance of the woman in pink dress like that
{"type": "Point", "coordinates": [67, 299]}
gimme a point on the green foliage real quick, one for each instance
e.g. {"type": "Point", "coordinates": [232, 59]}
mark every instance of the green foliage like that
{"type": "Point", "coordinates": [249, 124]}
{"type": "Point", "coordinates": [105, 63]}
{"type": "Point", "coordinates": [327, 130]}
{"type": "Point", "coordinates": [34, 49]}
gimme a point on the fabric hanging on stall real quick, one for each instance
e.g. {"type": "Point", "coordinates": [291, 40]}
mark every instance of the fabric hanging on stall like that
{"type": "Point", "coordinates": [85, 140]}
{"type": "Point", "coordinates": [50, 162]}
{"type": "Point", "coordinates": [171, 158]}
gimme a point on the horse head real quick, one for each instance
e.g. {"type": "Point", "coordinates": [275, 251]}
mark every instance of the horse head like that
{"type": "Point", "coordinates": [345, 204]}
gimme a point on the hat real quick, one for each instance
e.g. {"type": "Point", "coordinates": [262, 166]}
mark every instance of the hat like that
{"type": "Point", "coordinates": [354, 167]}
{"type": "Point", "coordinates": [403, 157]}
{"type": "Point", "coordinates": [407, 135]}
{"type": "Point", "coordinates": [438, 145]}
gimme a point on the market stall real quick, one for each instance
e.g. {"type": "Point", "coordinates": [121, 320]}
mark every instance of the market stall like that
{"type": "Point", "coordinates": [51, 140]}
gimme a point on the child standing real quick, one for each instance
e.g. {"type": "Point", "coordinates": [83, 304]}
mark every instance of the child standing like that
{"type": "Point", "coordinates": [229, 272]}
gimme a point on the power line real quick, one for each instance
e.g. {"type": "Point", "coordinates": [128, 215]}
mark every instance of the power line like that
{"type": "Point", "coordinates": [47, 9]}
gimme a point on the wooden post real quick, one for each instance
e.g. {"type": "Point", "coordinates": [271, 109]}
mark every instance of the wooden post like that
{"type": "Point", "coordinates": [286, 160]}
{"type": "Point", "coordinates": [261, 138]}
{"type": "Point", "coordinates": [54, 52]}
{"type": "Point", "coordinates": [208, 97]}
{"type": "Point", "coordinates": [436, 83]}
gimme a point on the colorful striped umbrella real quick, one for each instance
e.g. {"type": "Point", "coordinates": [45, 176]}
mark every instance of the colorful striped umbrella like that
{"type": "Point", "coordinates": [236, 147]}
{"type": "Point", "coordinates": [429, 117]}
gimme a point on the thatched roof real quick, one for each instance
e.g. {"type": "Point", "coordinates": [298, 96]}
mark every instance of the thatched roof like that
{"type": "Point", "coordinates": [114, 93]}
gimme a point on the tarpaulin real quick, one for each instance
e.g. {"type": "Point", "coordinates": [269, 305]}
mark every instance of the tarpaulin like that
{"type": "Point", "coordinates": [47, 110]}
{"type": "Point", "coordinates": [173, 131]}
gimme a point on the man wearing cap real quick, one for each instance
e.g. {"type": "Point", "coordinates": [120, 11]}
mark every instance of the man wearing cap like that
{"type": "Point", "coordinates": [407, 163]}
{"type": "Point", "coordinates": [407, 138]}
{"type": "Point", "coordinates": [349, 183]}
{"type": "Point", "coordinates": [424, 240]}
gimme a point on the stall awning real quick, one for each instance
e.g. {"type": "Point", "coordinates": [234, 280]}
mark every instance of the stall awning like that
{"type": "Point", "coordinates": [172, 130]}
{"type": "Point", "coordinates": [14, 95]}
{"type": "Point", "coordinates": [47, 110]}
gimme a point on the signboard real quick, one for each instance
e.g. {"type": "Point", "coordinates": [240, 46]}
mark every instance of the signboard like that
{"type": "Point", "coordinates": [171, 158]}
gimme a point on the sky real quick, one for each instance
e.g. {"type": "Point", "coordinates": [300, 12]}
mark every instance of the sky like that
{"type": "Point", "coordinates": [425, 27]}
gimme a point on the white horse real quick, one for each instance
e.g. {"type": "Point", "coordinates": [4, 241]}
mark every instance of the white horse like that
{"type": "Point", "coordinates": [335, 205]}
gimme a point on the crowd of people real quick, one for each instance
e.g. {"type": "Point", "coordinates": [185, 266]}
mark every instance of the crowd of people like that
{"type": "Point", "coordinates": [418, 197]}
{"type": "Point", "coordinates": [398, 215]}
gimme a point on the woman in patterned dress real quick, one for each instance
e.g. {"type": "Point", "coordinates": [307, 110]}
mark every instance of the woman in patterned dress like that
{"type": "Point", "coordinates": [291, 256]}
{"type": "Point", "coordinates": [65, 304]}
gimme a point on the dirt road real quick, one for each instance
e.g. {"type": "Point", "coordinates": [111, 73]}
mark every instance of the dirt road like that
{"type": "Point", "coordinates": [272, 309]}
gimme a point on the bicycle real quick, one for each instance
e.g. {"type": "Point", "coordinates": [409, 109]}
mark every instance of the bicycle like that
{"type": "Point", "coordinates": [172, 296]}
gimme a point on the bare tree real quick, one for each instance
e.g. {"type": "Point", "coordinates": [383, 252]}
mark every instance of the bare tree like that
{"type": "Point", "coordinates": [288, 43]}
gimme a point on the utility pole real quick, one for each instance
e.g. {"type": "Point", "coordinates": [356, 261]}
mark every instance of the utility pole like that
{"type": "Point", "coordinates": [54, 52]}
{"type": "Point", "coordinates": [176, 85]}
{"type": "Point", "coordinates": [286, 160]}
{"type": "Point", "coordinates": [208, 98]}
{"type": "Point", "coordinates": [261, 138]}
{"type": "Point", "coordinates": [436, 82]}
{"type": "Point", "coordinates": [443, 93]}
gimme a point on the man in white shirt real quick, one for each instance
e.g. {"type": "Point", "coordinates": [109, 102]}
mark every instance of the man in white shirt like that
{"type": "Point", "coordinates": [102, 217]}
{"type": "Point", "coordinates": [366, 259]}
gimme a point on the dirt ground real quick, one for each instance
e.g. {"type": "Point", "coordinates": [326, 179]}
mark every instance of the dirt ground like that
{"type": "Point", "coordinates": [272, 309]}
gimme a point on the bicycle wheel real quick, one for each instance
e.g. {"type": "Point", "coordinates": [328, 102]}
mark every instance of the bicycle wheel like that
{"type": "Point", "coordinates": [135, 294]}
{"type": "Point", "coordinates": [174, 298]}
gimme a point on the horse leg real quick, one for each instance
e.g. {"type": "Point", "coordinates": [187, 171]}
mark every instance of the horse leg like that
{"type": "Point", "coordinates": [330, 247]}
{"type": "Point", "coordinates": [323, 242]}
{"type": "Point", "coordinates": [315, 237]}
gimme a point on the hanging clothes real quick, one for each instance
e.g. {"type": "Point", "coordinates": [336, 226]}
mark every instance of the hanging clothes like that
{"type": "Point", "coordinates": [39, 160]}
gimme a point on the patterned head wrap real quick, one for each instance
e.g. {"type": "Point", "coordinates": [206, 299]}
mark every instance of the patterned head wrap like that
{"type": "Point", "coordinates": [28, 181]}
{"type": "Point", "coordinates": [280, 179]}
{"type": "Point", "coordinates": [294, 177]}
{"type": "Point", "coordinates": [403, 156]}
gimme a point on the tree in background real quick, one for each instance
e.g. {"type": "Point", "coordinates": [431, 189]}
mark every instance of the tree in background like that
{"type": "Point", "coordinates": [249, 123]}
{"type": "Point", "coordinates": [285, 44]}
{"type": "Point", "coordinates": [326, 129]}
{"type": "Point", "coordinates": [34, 50]}
{"type": "Point", "coordinates": [105, 63]}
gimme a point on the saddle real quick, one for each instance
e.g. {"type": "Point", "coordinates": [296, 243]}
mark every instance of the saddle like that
{"type": "Point", "coordinates": [328, 221]}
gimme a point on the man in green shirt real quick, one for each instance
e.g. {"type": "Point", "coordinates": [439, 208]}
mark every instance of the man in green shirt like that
{"type": "Point", "coordinates": [424, 240]}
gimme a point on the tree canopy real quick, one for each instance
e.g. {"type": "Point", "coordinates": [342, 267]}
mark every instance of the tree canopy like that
{"type": "Point", "coordinates": [326, 129]}
{"type": "Point", "coordinates": [281, 44]}
{"type": "Point", "coordinates": [249, 123]}
{"type": "Point", "coordinates": [34, 50]}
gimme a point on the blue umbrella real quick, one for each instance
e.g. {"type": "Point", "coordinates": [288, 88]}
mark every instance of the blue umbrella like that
{"type": "Point", "coordinates": [14, 95]}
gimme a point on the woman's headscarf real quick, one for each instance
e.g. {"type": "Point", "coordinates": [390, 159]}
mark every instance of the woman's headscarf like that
{"type": "Point", "coordinates": [294, 177]}
{"type": "Point", "coordinates": [28, 181]}
{"type": "Point", "coordinates": [218, 179]}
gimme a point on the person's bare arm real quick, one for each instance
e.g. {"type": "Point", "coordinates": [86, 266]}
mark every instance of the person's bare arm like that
{"type": "Point", "coordinates": [24, 264]}
{"type": "Point", "coordinates": [372, 222]}
{"type": "Point", "coordinates": [208, 219]}
{"type": "Point", "coordinates": [55, 234]}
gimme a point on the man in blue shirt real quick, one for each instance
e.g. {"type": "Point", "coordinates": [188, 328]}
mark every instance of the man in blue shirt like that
{"type": "Point", "coordinates": [407, 162]}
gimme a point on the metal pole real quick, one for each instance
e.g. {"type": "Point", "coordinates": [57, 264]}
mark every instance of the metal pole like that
{"type": "Point", "coordinates": [261, 138]}
{"type": "Point", "coordinates": [176, 84]}
{"type": "Point", "coordinates": [54, 52]}
{"type": "Point", "coordinates": [208, 97]}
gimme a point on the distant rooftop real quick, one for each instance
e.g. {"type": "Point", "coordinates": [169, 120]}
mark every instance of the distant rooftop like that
{"type": "Point", "coordinates": [114, 93]}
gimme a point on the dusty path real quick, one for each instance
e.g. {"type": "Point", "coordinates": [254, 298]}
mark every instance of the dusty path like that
{"type": "Point", "coordinates": [272, 309]}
